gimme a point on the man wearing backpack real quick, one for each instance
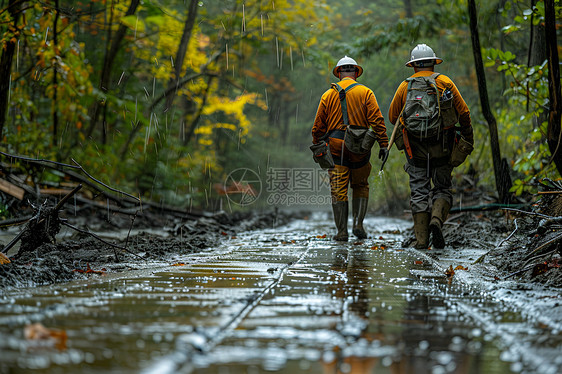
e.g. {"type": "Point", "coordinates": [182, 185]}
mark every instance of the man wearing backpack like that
{"type": "Point", "coordinates": [428, 105]}
{"type": "Point", "coordinates": [346, 107]}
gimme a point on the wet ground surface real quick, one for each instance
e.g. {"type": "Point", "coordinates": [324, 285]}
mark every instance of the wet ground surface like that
{"type": "Point", "coordinates": [290, 300]}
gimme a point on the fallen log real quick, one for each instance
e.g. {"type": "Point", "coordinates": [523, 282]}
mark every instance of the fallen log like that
{"type": "Point", "coordinates": [11, 189]}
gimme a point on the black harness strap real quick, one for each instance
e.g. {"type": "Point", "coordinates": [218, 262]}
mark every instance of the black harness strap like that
{"type": "Point", "coordinates": [343, 102]}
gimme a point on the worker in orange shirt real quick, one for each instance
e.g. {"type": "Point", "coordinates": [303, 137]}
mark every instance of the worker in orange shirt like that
{"type": "Point", "coordinates": [430, 156]}
{"type": "Point", "coordinates": [349, 104]}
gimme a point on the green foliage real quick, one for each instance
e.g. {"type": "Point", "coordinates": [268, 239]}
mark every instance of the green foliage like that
{"type": "Point", "coordinates": [249, 86]}
{"type": "Point", "coordinates": [523, 121]}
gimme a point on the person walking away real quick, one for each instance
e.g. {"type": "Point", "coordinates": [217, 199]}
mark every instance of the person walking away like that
{"type": "Point", "coordinates": [345, 108]}
{"type": "Point", "coordinates": [429, 105]}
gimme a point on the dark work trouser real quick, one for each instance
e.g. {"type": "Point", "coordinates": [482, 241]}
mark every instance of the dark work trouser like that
{"type": "Point", "coordinates": [427, 186]}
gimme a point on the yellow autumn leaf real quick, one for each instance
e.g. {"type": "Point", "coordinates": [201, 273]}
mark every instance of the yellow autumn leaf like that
{"type": "Point", "coordinates": [4, 259]}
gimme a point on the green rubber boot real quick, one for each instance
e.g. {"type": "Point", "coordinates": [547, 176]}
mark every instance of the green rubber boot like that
{"type": "Point", "coordinates": [359, 210]}
{"type": "Point", "coordinates": [421, 230]}
{"type": "Point", "coordinates": [341, 210]}
{"type": "Point", "coordinates": [439, 214]}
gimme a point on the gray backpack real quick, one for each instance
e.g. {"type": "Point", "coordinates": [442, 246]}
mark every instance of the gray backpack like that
{"type": "Point", "coordinates": [422, 110]}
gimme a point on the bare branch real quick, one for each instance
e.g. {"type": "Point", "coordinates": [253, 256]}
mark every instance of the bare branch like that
{"type": "Point", "coordinates": [37, 161]}
{"type": "Point", "coordinates": [103, 184]}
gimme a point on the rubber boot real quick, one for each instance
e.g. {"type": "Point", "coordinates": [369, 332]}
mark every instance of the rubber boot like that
{"type": "Point", "coordinates": [439, 214]}
{"type": "Point", "coordinates": [341, 210]}
{"type": "Point", "coordinates": [421, 230]}
{"type": "Point", "coordinates": [359, 210]}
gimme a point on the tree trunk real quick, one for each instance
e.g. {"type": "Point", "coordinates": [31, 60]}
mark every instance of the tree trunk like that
{"type": "Point", "coordinates": [190, 128]}
{"type": "Point", "coordinates": [180, 54]}
{"type": "Point", "coordinates": [6, 65]}
{"type": "Point", "coordinates": [109, 59]}
{"type": "Point", "coordinates": [501, 169]}
{"type": "Point", "coordinates": [55, 76]}
{"type": "Point", "coordinates": [536, 56]}
{"type": "Point", "coordinates": [408, 9]}
{"type": "Point", "coordinates": [554, 114]}
{"type": "Point", "coordinates": [537, 42]}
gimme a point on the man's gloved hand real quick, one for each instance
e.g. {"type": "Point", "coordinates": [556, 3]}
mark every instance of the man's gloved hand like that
{"type": "Point", "coordinates": [383, 154]}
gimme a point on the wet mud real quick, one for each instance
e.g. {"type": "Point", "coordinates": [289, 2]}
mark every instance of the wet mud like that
{"type": "Point", "coordinates": [157, 240]}
{"type": "Point", "coordinates": [510, 239]}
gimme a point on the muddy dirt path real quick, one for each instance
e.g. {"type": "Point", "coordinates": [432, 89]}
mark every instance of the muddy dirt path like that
{"type": "Point", "coordinates": [289, 300]}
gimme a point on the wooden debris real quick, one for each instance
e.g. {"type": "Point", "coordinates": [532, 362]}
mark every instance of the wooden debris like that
{"type": "Point", "coordinates": [11, 189]}
{"type": "Point", "coordinates": [546, 236]}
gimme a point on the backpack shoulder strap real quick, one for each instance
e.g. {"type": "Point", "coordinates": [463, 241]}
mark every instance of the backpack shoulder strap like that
{"type": "Point", "coordinates": [410, 82]}
{"type": "Point", "coordinates": [432, 80]}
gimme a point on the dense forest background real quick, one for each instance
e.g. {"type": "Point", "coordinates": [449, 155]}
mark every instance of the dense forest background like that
{"type": "Point", "coordinates": [166, 99]}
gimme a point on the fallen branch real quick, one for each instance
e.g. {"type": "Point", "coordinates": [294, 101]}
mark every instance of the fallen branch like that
{"type": "Point", "coordinates": [101, 240]}
{"type": "Point", "coordinates": [551, 241]}
{"type": "Point", "coordinates": [548, 267]}
{"type": "Point", "coordinates": [510, 235]}
{"type": "Point", "coordinates": [37, 161]}
{"type": "Point", "coordinates": [131, 203]}
{"type": "Point", "coordinates": [540, 255]}
{"type": "Point", "coordinates": [68, 196]}
{"type": "Point", "coordinates": [481, 258]}
{"type": "Point", "coordinates": [520, 271]}
{"type": "Point", "coordinates": [59, 167]}
{"type": "Point", "coordinates": [13, 241]}
{"type": "Point", "coordinates": [485, 207]}
{"type": "Point", "coordinates": [528, 213]}
{"type": "Point", "coordinates": [103, 184]}
{"type": "Point", "coordinates": [14, 221]}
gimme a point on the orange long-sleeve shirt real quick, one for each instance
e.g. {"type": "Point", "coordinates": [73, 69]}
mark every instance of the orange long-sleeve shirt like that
{"type": "Point", "coordinates": [420, 149]}
{"type": "Point", "coordinates": [362, 110]}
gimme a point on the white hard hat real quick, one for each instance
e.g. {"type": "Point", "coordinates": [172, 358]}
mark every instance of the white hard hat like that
{"type": "Point", "coordinates": [423, 52]}
{"type": "Point", "coordinates": [344, 62]}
